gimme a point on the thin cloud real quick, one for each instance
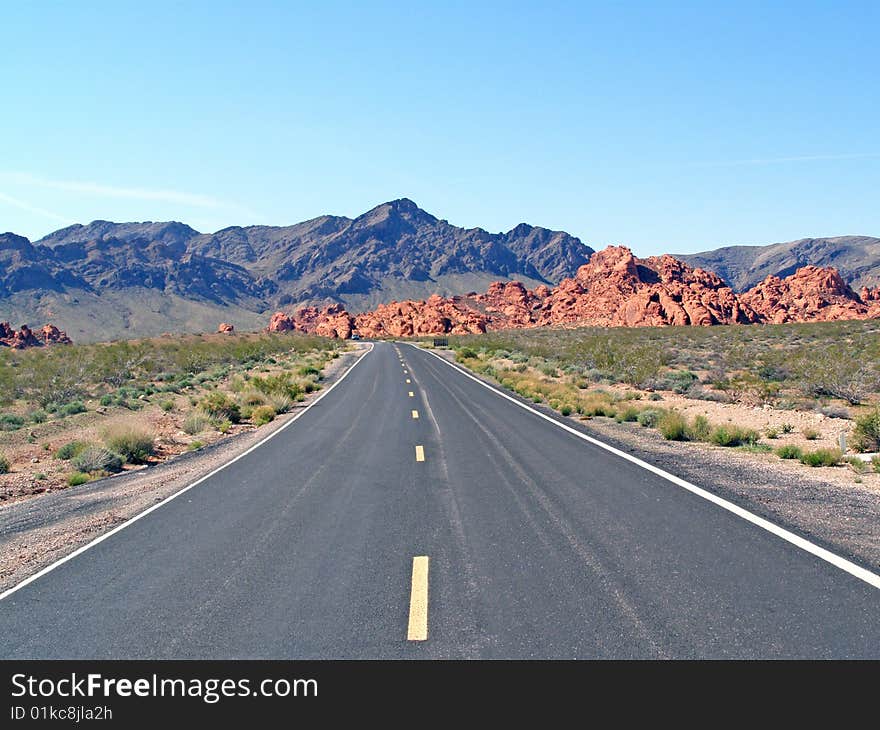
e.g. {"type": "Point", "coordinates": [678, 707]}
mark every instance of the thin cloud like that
{"type": "Point", "coordinates": [112, 191]}
{"type": "Point", "coordinates": [21, 204]}
{"type": "Point", "coordinates": [798, 158]}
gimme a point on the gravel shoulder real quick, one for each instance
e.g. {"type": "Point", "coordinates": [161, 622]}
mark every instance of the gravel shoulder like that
{"type": "Point", "coordinates": [824, 505]}
{"type": "Point", "coordinates": [45, 528]}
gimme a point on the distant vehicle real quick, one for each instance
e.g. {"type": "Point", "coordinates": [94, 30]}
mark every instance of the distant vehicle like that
{"type": "Point", "coordinates": [355, 336]}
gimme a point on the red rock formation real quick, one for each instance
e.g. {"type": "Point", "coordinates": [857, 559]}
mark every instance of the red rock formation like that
{"type": "Point", "coordinates": [810, 294]}
{"type": "Point", "coordinates": [614, 289]}
{"type": "Point", "coordinates": [330, 321]}
{"type": "Point", "coordinates": [225, 328]}
{"type": "Point", "coordinates": [26, 337]}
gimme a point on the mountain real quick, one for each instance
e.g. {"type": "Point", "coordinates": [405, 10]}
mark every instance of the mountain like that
{"type": "Point", "coordinates": [857, 259]}
{"type": "Point", "coordinates": [393, 251]}
{"type": "Point", "coordinates": [123, 275]}
{"type": "Point", "coordinates": [615, 289]}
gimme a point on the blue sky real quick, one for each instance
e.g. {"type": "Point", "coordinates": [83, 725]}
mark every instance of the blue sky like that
{"type": "Point", "coordinates": [663, 126]}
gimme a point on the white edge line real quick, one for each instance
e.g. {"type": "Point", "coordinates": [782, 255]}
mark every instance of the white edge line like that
{"type": "Point", "coordinates": [49, 568]}
{"type": "Point", "coordinates": [846, 565]}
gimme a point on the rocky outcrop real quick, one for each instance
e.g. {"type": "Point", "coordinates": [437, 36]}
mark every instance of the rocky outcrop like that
{"type": "Point", "coordinates": [615, 289]}
{"type": "Point", "coordinates": [225, 328]}
{"type": "Point", "coordinates": [26, 337]}
{"type": "Point", "coordinates": [811, 294]}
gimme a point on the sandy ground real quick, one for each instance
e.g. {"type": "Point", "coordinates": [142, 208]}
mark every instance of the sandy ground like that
{"type": "Point", "coordinates": [37, 531]}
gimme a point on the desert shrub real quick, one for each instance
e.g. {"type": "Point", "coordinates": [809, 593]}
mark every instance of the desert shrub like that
{"type": "Point", "coordinates": [699, 429]}
{"type": "Point", "coordinates": [224, 426]}
{"type": "Point", "coordinates": [649, 418]}
{"type": "Point", "coordinates": [678, 381]}
{"type": "Point", "coordinates": [787, 428]}
{"type": "Point", "coordinates": [195, 423]}
{"type": "Point", "coordinates": [821, 457]}
{"type": "Point", "coordinates": [673, 426]}
{"type": "Point", "coordinates": [866, 434]}
{"type": "Point", "coordinates": [771, 433]}
{"type": "Point", "coordinates": [281, 384]}
{"type": "Point", "coordinates": [627, 415]}
{"type": "Point", "coordinates": [194, 446]}
{"type": "Point", "coordinates": [733, 436]}
{"type": "Point", "coordinates": [71, 450]}
{"type": "Point", "coordinates": [789, 451]}
{"type": "Point", "coordinates": [280, 402]}
{"type": "Point", "coordinates": [252, 398]}
{"type": "Point", "coordinates": [106, 400]}
{"type": "Point", "coordinates": [307, 370]}
{"type": "Point", "coordinates": [220, 406]}
{"type": "Point", "coordinates": [10, 422]}
{"type": "Point", "coordinates": [262, 415]}
{"type": "Point", "coordinates": [72, 408]}
{"type": "Point", "coordinates": [465, 353]}
{"type": "Point", "coordinates": [77, 478]}
{"type": "Point", "coordinates": [167, 405]}
{"type": "Point", "coordinates": [755, 448]}
{"type": "Point", "coordinates": [39, 416]}
{"type": "Point", "coordinates": [133, 444]}
{"type": "Point", "coordinates": [810, 434]}
{"type": "Point", "coordinates": [841, 371]}
{"type": "Point", "coordinates": [859, 466]}
{"type": "Point", "coordinates": [4, 464]}
{"type": "Point", "coordinates": [875, 463]}
{"type": "Point", "coordinates": [97, 458]}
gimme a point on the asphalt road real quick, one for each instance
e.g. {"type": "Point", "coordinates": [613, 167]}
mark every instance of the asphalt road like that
{"type": "Point", "coordinates": [530, 542]}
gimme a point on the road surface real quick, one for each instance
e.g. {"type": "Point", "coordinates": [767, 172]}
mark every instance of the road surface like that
{"type": "Point", "coordinates": [414, 513]}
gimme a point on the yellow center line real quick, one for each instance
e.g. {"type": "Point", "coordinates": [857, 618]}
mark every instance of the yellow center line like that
{"type": "Point", "coordinates": [412, 395]}
{"type": "Point", "coordinates": [415, 414]}
{"type": "Point", "coordinates": [418, 600]}
{"type": "Point", "coordinates": [420, 453]}
{"type": "Point", "coordinates": [408, 380]}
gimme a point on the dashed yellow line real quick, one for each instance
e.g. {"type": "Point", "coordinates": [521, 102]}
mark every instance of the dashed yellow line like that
{"type": "Point", "coordinates": [415, 414]}
{"type": "Point", "coordinates": [420, 453]}
{"type": "Point", "coordinates": [408, 381]}
{"type": "Point", "coordinates": [412, 395]}
{"type": "Point", "coordinates": [418, 600]}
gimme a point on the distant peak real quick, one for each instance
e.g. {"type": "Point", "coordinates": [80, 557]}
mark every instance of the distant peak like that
{"type": "Point", "coordinates": [400, 208]}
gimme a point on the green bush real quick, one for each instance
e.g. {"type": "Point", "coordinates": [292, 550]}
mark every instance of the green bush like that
{"type": "Point", "coordinates": [262, 415]}
{"type": "Point", "coordinates": [673, 426]}
{"type": "Point", "coordinates": [810, 434]}
{"type": "Point", "coordinates": [71, 450]}
{"type": "Point", "coordinates": [771, 433]}
{"type": "Point", "coordinates": [10, 422]}
{"type": "Point", "coordinates": [699, 429]}
{"type": "Point", "coordinates": [465, 353]}
{"type": "Point", "coordinates": [821, 457]}
{"type": "Point", "coordinates": [77, 478]}
{"type": "Point", "coordinates": [195, 423]}
{"type": "Point", "coordinates": [565, 410]}
{"type": "Point", "coordinates": [133, 444]}
{"type": "Point", "coordinates": [106, 400]}
{"type": "Point", "coordinates": [72, 408]}
{"type": "Point", "coordinates": [787, 428]}
{"type": "Point", "coordinates": [167, 405]}
{"type": "Point", "coordinates": [627, 415]}
{"type": "Point", "coordinates": [224, 426]}
{"type": "Point", "coordinates": [97, 459]}
{"type": "Point", "coordinates": [875, 463]}
{"type": "Point", "coordinates": [195, 446]}
{"type": "Point", "coordinates": [789, 451]}
{"type": "Point", "coordinates": [280, 402]}
{"type": "Point", "coordinates": [733, 436]}
{"type": "Point", "coordinates": [307, 370]}
{"type": "Point", "coordinates": [39, 416]}
{"type": "Point", "coordinates": [649, 418]}
{"type": "Point", "coordinates": [220, 406]}
{"type": "Point", "coordinates": [866, 434]}
{"type": "Point", "coordinates": [4, 464]}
